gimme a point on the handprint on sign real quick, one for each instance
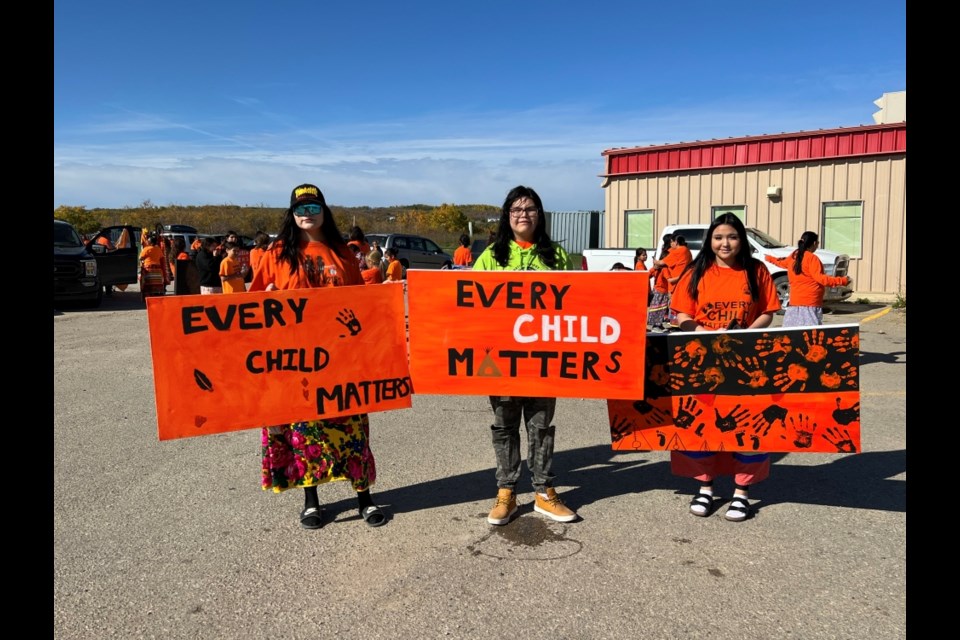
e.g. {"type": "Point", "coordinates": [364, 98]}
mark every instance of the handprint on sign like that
{"type": "Point", "coordinates": [729, 421]}
{"type": "Point", "coordinates": [832, 379]}
{"type": "Point", "coordinates": [794, 374]}
{"type": "Point", "coordinates": [815, 350]}
{"type": "Point", "coordinates": [803, 432]}
{"type": "Point", "coordinates": [687, 413]}
{"type": "Point", "coordinates": [724, 344]}
{"type": "Point", "coordinates": [840, 438]}
{"type": "Point", "coordinates": [692, 352]}
{"type": "Point", "coordinates": [751, 366]}
{"type": "Point", "coordinates": [620, 427]}
{"type": "Point", "coordinates": [712, 376]}
{"type": "Point", "coordinates": [754, 440]}
{"type": "Point", "coordinates": [347, 318]}
{"type": "Point", "coordinates": [779, 346]}
{"type": "Point", "coordinates": [767, 417]}
{"type": "Point", "coordinates": [659, 375]}
{"type": "Point", "coordinates": [843, 342]}
{"type": "Point", "coordinates": [651, 414]}
{"type": "Point", "coordinates": [848, 415]}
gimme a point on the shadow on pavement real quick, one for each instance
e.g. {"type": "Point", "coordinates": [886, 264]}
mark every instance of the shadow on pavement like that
{"type": "Point", "coordinates": [857, 481]}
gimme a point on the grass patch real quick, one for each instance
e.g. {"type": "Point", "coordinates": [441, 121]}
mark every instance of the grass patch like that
{"type": "Point", "coordinates": [900, 302]}
{"type": "Point", "coordinates": [862, 301]}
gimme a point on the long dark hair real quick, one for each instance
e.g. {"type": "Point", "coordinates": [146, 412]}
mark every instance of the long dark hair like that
{"type": "Point", "coordinates": [504, 234]}
{"type": "Point", "coordinates": [707, 258]}
{"type": "Point", "coordinates": [807, 240]}
{"type": "Point", "coordinates": [290, 235]}
{"type": "Point", "coordinates": [665, 247]}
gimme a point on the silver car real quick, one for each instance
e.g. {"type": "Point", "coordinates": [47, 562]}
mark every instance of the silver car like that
{"type": "Point", "coordinates": [413, 252]}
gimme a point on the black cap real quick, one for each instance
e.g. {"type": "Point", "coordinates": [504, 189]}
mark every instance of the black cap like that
{"type": "Point", "coordinates": [306, 194]}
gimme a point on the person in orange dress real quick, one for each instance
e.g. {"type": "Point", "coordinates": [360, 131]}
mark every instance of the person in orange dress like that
{"type": "Point", "coordinates": [659, 305]}
{"type": "Point", "coordinates": [463, 256]}
{"type": "Point", "coordinates": [675, 262]}
{"type": "Point", "coordinates": [152, 256]}
{"type": "Point", "coordinates": [309, 252]}
{"type": "Point", "coordinates": [261, 240]}
{"type": "Point", "coordinates": [808, 282]}
{"type": "Point", "coordinates": [724, 287]}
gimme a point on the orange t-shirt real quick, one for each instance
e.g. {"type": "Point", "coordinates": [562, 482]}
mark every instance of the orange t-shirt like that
{"type": "Point", "coordinates": [255, 254]}
{"type": "Point", "coordinates": [394, 271]}
{"type": "Point", "coordinates": [462, 256]}
{"type": "Point", "coordinates": [724, 294]}
{"type": "Point", "coordinates": [676, 260]}
{"type": "Point", "coordinates": [660, 284]}
{"type": "Point", "coordinates": [152, 256]}
{"type": "Point", "coordinates": [230, 276]}
{"type": "Point", "coordinates": [373, 275]}
{"type": "Point", "coordinates": [807, 287]}
{"type": "Point", "coordinates": [320, 266]}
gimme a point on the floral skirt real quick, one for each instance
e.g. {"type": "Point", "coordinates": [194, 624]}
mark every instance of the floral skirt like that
{"type": "Point", "coordinates": [304, 454]}
{"type": "Point", "coordinates": [657, 309]}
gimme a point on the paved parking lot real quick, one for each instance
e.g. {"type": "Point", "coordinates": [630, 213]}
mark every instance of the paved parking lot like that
{"type": "Point", "coordinates": [176, 539]}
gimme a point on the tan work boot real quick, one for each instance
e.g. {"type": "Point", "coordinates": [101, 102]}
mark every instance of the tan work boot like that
{"type": "Point", "coordinates": [553, 507]}
{"type": "Point", "coordinates": [505, 507]}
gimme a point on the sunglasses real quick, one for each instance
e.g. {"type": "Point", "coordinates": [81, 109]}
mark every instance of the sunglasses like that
{"type": "Point", "coordinates": [308, 210]}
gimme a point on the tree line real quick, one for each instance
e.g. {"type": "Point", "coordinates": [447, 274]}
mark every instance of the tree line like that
{"type": "Point", "coordinates": [443, 224]}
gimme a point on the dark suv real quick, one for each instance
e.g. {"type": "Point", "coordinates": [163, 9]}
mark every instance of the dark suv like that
{"type": "Point", "coordinates": [414, 252]}
{"type": "Point", "coordinates": [75, 275]}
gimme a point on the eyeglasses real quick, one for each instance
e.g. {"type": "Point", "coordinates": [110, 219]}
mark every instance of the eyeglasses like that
{"type": "Point", "coordinates": [308, 210]}
{"type": "Point", "coordinates": [530, 211]}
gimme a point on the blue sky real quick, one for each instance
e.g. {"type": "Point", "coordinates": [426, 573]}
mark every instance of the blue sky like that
{"type": "Point", "coordinates": [393, 103]}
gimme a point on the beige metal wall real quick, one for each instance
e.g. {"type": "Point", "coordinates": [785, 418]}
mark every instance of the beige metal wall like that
{"type": "Point", "coordinates": [685, 197]}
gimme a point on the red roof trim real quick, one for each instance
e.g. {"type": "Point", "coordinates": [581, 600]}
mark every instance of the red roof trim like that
{"type": "Point", "coordinates": [802, 146]}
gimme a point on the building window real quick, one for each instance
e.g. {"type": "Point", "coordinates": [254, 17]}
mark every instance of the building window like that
{"type": "Point", "coordinates": [843, 228]}
{"type": "Point", "coordinates": [739, 210]}
{"type": "Point", "coordinates": [638, 229]}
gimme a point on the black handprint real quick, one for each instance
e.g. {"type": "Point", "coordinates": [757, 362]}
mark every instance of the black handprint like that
{"type": "Point", "coordinates": [729, 421]}
{"type": "Point", "coordinates": [848, 415]}
{"type": "Point", "coordinates": [803, 432]}
{"type": "Point", "coordinates": [687, 413]}
{"type": "Point", "coordinates": [348, 319]}
{"type": "Point", "coordinates": [619, 428]}
{"type": "Point", "coordinates": [840, 438]}
{"type": "Point", "coordinates": [754, 440]}
{"type": "Point", "coordinates": [652, 413]}
{"type": "Point", "coordinates": [767, 417]}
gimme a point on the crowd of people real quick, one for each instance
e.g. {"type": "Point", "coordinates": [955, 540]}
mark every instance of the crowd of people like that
{"type": "Point", "coordinates": [309, 251]}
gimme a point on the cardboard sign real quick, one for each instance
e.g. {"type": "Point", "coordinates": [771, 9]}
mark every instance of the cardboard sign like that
{"type": "Point", "coordinates": [764, 390]}
{"type": "Point", "coordinates": [228, 362]}
{"type": "Point", "coordinates": [572, 334]}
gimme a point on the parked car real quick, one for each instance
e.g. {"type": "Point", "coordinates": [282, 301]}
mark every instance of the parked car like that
{"type": "Point", "coordinates": [414, 252]}
{"type": "Point", "coordinates": [75, 275]}
{"type": "Point", "coordinates": [117, 264]}
{"type": "Point", "coordinates": [762, 244]}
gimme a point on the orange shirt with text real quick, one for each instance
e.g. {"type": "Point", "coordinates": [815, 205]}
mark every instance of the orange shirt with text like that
{"type": "Point", "coordinates": [724, 294]}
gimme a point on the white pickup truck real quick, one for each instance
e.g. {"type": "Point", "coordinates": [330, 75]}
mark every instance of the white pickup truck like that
{"type": "Point", "coordinates": [834, 264]}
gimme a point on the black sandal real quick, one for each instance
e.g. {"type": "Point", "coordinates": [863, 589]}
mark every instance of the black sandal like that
{"type": "Point", "coordinates": [702, 500]}
{"type": "Point", "coordinates": [739, 510]}
{"type": "Point", "coordinates": [373, 516]}
{"type": "Point", "coordinates": [311, 518]}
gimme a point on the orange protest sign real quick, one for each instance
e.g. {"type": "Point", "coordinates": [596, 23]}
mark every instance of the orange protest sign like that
{"type": "Point", "coordinates": [238, 361]}
{"type": "Point", "coordinates": [772, 390]}
{"type": "Point", "coordinates": [572, 334]}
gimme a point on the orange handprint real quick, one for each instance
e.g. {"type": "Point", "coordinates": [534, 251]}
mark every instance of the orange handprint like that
{"type": "Point", "coordinates": [779, 345]}
{"type": "Point", "coordinates": [815, 350]}
{"type": "Point", "coordinates": [712, 376]}
{"type": "Point", "coordinates": [659, 375]}
{"type": "Point", "coordinates": [844, 342]}
{"type": "Point", "coordinates": [794, 374]}
{"type": "Point", "coordinates": [724, 344]}
{"type": "Point", "coordinates": [757, 377]}
{"type": "Point", "coordinates": [691, 352]}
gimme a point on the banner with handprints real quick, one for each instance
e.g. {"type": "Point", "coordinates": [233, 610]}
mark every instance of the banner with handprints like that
{"type": "Point", "coordinates": [244, 360]}
{"type": "Point", "coordinates": [769, 390]}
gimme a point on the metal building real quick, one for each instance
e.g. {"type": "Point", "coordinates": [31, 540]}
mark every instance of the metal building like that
{"type": "Point", "coordinates": [847, 184]}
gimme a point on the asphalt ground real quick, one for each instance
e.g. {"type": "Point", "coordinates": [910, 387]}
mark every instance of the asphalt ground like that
{"type": "Point", "coordinates": [176, 539]}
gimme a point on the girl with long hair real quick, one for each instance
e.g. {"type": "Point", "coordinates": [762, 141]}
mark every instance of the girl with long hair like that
{"type": "Point", "coordinates": [310, 252]}
{"type": "Point", "coordinates": [724, 287]}
{"type": "Point", "coordinates": [808, 282]}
